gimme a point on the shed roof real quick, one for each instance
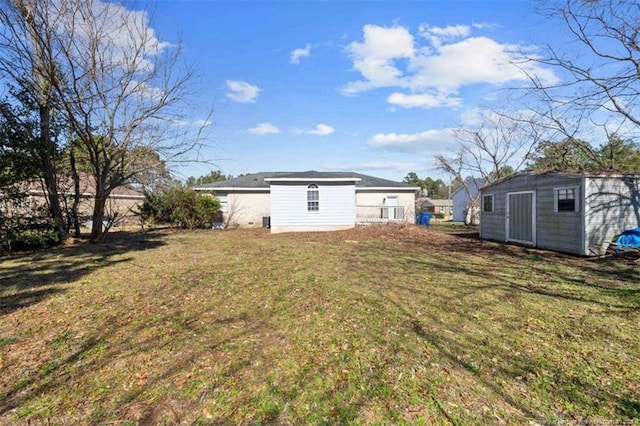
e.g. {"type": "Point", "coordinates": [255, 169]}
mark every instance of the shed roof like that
{"type": "Point", "coordinates": [605, 174]}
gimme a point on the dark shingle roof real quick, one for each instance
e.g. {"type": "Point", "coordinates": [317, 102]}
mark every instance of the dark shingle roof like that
{"type": "Point", "coordinates": [253, 180]}
{"type": "Point", "coordinates": [568, 174]}
{"type": "Point", "coordinates": [257, 180]}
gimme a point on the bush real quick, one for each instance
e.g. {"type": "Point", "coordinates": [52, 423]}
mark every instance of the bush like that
{"type": "Point", "coordinates": [33, 239]}
{"type": "Point", "coordinates": [152, 208]}
{"type": "Point", "coordinates": [180, 207]}
{"type": "Point", "coordinates": [26, 233]}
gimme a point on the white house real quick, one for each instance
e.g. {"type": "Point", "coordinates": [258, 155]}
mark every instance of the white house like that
{"type": "Point", "coordinates": [577, 213]}
{"type": "Point", "coordinates": [461, 199]}
{"type": "Point", "coordinates": [312, 201]}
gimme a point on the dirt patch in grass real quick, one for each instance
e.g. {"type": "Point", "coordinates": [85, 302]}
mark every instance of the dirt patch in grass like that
{"type": "Point", "coordinates": [374, 325]}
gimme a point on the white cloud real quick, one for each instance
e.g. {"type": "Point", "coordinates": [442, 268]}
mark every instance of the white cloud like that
{"type": "Point", "coordinates": [439, 34]}
{"type": "Point", "coordinates": [300, 53]}
{"type": "Point", "coordinates": [434, 140]}
{"type": "Point", "coordinates": [126, 40]}
{"type": "Point", "coordinates": [474, 60]}
{"type": "Point", "coordinates": [320, 130]}
{"type": "Point", "coordinates": [264, 129]}
{"type": "Point", "coordinates": [375, 58]}
{"type": "Point", "coordinates": [434, 68]}
{"type": "Point", "coordinates": [424, 100]}
{"type": "Point", "coordinates": [473, 117]}
{"type": "Point", "coordinates": [241, 91]}
{"type": "Point", "coordinates": [144, 91]}
{"type": "Point", "coordinates": [193, 123]}
{"type": "Point", "coordinates": [485, 25]}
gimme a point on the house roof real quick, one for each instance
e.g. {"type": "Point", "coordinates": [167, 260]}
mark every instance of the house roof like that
{"type": "Point", "coordinates": [428, 202]}
{"type": "Point", "coordinates": [312, 176]}
{"type": "Point", "coordinates": [87, 187]}
{"type": "Point", "coordinates": [257, 181]}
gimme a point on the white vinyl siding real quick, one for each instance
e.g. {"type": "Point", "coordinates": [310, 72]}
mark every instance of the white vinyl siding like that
{"type": "Point", "coordinates": [290, 208]}
{"type": "Point", "coordinates": [460, 200]}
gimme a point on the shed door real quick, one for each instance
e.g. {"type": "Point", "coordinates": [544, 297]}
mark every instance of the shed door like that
{"type": "Point", "coordinates": [520, 218]}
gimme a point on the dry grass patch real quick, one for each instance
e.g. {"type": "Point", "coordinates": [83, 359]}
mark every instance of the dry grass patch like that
{"type": "Point", "coordinates": [374, 325]}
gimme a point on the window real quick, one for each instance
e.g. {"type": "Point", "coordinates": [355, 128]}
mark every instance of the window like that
{"type": "Point", "coordinates": [566, 200]}
{"type": "Point", "coordinates": [313, 198]}
{"type": "Point", "coordinates": [487, 203]}
{"type": "Point", "coordinates": [442, 210]}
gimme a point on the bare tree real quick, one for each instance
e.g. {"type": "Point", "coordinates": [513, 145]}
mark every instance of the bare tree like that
{"type": "Point", "coordinates": [497, 147]}
{"type": "Point", "coordinates": [598, 68]}
{"type": "Point", "coordinates": [122, 90]}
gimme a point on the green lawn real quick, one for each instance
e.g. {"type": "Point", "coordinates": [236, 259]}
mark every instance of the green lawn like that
{"type": "Point", "coordinates": [372, 326]}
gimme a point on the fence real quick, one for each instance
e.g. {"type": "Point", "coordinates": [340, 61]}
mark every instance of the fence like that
{"type": "Point", "coordinates": [380, 214]}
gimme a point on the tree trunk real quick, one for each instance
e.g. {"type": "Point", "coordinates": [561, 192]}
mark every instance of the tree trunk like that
{"type": "Point", "coordinates": [76, 194]}
{"type": "Point", "coordinates": [97, 232]}
{"type": "Point", "coordinates": [49, 172]}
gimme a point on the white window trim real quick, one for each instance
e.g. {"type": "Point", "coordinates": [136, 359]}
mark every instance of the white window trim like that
{"type": "Point", "coordinates": [576, 201]}
{"type": "Point", "coordinates": [493, 204]}
{"type": "Point", "coordinates": [313, 187]}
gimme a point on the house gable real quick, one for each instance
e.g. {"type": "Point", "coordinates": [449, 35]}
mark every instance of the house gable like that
{"type": "Point", "coordinates": [312, 205]}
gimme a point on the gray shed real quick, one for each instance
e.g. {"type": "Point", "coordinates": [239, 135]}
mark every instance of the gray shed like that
{"type": "Point", "coordinates": [577, 213]}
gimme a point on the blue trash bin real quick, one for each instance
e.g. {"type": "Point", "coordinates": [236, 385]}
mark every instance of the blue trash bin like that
{"type": "Point", "coordinates": [425, 218]}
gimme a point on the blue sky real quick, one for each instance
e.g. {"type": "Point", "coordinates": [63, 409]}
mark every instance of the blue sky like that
{"type": "Point", "coordinates": [374, 87]}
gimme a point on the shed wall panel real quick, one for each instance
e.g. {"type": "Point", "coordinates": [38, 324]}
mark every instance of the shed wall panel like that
{"type": "Point", "coordinates": [612, 205]}
{"type": "Point", "coordinates": [560, 231]}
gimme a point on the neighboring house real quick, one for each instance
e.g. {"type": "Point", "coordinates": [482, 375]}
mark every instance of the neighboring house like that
{"type": "Point", "coordinates": [122, 203]}
{"type": "Point", "coordinates": [461, 199]}
{"type": "Point", "coordinates": [312, 201]}
{"type": "Point", "coordinates": [572, 213]}
{"type": "Point", "coordinates": [440, 207]}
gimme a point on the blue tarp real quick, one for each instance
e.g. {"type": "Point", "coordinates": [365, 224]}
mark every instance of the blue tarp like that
{"type": "Point", "coordinates": [629, 239]}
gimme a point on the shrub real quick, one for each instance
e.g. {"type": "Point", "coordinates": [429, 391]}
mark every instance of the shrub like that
{"type": "Point", "coordinates": [19, 233]}
{"type": "Point", "coordinates": [33, 239]}
{"type": "Point", "coordinates": [152, 208]}
{"type": "Point", "coordinates": [180, 207]}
